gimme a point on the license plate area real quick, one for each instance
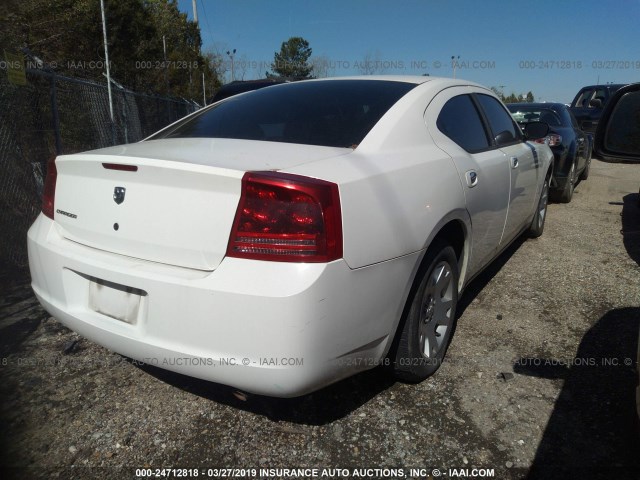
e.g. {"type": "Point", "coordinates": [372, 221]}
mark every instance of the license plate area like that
{"type": "Point", "coordinates": [120, 302]}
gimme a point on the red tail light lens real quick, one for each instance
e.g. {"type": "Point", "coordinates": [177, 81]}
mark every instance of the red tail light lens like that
{"type": "Point", "coordinates": [49, 193]}
{"type": "Point", "coordinates": [287, 218]}
{"type": "Point", "coordinates": [120, 166]}
{"type": "Point", "coordinates": [552, 140]}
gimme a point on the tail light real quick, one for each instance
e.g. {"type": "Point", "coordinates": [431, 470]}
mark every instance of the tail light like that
{"type": "Point", "coordinates": [49, 192]}
{"type": "Point", "coordinates": [287, 218]}
{"type": "Point", "coordinates": [553, 140]}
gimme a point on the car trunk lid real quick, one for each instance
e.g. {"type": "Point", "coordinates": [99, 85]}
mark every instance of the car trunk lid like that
{"type": "Point", "coordinates": [168, 201]}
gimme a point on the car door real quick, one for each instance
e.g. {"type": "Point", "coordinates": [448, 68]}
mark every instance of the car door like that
{"type": "Point", "coordinates": [522, 159]}
{"type": "Point", "coordinates": [456, 126]}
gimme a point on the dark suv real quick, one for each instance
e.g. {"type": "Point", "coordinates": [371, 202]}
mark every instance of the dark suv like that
{"type": "Point", "coordinates": [588, 104]}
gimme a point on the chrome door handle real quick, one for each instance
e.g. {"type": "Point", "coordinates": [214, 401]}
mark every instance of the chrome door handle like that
{"type": "Point", "coordinates": [514, 162]}
{"type": "Point", "coordinates": [472, 178]}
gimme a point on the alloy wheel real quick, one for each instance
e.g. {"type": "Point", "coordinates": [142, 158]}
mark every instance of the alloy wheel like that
{"type": "Point", "coordinates": [436, 310]}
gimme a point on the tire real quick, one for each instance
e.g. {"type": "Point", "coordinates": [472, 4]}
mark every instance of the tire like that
{"type": "Point", "coordinates": [430, 320]}
{"type": "Point", "coordinates": [567, 193]}
{"type": "Point", "coordinates": [539, 218]}
{"type": "Point", "coordinates": [585, 173]}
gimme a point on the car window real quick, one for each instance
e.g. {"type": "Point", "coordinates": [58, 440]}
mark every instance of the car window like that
{"type": "Point", "coordinates": [502, 124]}
{"type": "Point", "coordinates": [524, 115]}
{"type": "Point", "coordinates": [336, 113]}
{"type": "Point", "coordinates": [460, 121]}
{"type": "Point", "coordinates": [584, 98]}
{"type": "Point", "coordinates": [601, 94]}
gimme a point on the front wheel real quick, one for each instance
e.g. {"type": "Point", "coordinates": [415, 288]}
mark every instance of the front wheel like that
{"type": "Point", "coordinates": [430, 321]}
{"type": "Point", "coordinates": [537, 224]}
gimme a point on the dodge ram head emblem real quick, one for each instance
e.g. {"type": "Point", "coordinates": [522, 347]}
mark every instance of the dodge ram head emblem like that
{"type": "Point", "coordinates": [118, 194]}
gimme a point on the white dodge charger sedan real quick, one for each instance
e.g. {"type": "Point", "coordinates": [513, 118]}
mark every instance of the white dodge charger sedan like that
{"type": "Point", "coordinates": [286, 238]}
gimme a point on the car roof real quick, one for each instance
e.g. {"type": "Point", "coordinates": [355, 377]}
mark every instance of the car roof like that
{"type": "Point", "coordinates": [606, 85]}
{"type": "Point", "coordinates": [417, 79]}
{"type": "Point", "coordinates": [437, 83]}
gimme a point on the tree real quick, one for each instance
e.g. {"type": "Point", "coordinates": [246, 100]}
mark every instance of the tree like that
{"type": "Point", "coordinates": [241, 67]}
{"type": "Point", "coordinates": [67, 36]}
{"type": "Point", "coordinates": [218, 57]}
{"type": "Point", "coordinates": [371, 64]}
{"type": "Point", "coordinates": [322, 66]}
{"type": "Point", "coordinates": [293, 59]}
{"type": "Point", "coordinates": [498, 93]}
{"type": "Point", "coordinates": [511, 98]}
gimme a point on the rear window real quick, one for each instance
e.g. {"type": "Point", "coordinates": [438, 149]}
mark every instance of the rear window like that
{"type": "Point", "coordinates": [584, 98]}
{"type": "Point", "coordinates": [335, 113]}
{"type": "Point", "coordinates": [524, 115]}
{"type": "Point", "coordinates": [460, 121]}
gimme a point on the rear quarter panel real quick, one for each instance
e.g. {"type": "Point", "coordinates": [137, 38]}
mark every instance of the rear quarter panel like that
{"type": "Point", "coordinates": [397, 189]}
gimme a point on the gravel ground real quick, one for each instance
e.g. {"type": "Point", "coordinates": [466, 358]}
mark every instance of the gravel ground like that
{"type": "Point", "coordinates": [539, 381]}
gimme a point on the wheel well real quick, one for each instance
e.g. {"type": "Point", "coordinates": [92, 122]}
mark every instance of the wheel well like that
{"type": "Point", "coordinates": [453, 233]}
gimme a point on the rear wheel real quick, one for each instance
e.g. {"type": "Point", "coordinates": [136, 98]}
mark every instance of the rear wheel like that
{"type": "Point", "coordinates": [567, 193]}
{"type": "Point", "coordinates": [430, 321]}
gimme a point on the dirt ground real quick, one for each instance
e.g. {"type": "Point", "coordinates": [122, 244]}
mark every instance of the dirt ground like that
{"type": "Point", "coordinates": [539, 381]}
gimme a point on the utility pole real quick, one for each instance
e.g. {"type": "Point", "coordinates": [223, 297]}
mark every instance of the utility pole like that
{"type": "Point", "coordinates": [204, 92]}
{"type": "Point", "coordinates": [106, 57]}
{"type": "Point", "coordinates": [231, 55]}
{"type": "Point", "coordinates": [454, 61]}
{"type": "Point", "coordinates": [164, 47]}
{"type": "Point", "coordinates": [195, 10]}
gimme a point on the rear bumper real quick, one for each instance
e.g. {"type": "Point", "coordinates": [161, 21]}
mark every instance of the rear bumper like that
{"type": "Point", "coordinates": [279, 329]}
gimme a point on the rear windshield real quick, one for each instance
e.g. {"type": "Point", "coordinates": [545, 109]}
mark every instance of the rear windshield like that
{"type": "Point", "coordinates": [524, 115]}
{"type": "Point", "coordinates": [335, 113]}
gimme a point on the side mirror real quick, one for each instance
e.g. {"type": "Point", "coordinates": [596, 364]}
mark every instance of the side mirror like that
{"type": "Point", "coordinates": [618, 134]}
{"type": "Point", "coordinates": [535, 130]}
{"type": "Point", "coordinates": [595, 103]}
{"type": "Point", "coordinates": [504, 137]}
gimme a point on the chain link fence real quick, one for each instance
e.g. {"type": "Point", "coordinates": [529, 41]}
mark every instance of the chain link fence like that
{"type": "Point", "coordinates": [53, 115]}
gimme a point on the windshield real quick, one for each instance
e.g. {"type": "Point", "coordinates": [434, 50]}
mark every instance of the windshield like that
{"type": "Point", "coordinates": [329, 113]}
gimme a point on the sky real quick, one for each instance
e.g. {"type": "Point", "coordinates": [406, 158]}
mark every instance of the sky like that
{"type": "Point", "coordinates": [551, 48]}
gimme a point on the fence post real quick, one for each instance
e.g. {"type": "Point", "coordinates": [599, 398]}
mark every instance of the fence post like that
{"type": "Point", "coordinates": [54, 114]}
{"type": "Point", "coordinates": [125, 118]}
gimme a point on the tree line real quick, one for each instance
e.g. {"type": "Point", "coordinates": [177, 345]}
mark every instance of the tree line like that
{"type": "Point", "coordinates": [512, 97]}
{"type": "Point", "coordinates": [153, 47]}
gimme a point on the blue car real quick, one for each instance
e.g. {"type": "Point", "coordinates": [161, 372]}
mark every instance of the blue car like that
{"type": "Point", "coordinates": [571, 146]}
